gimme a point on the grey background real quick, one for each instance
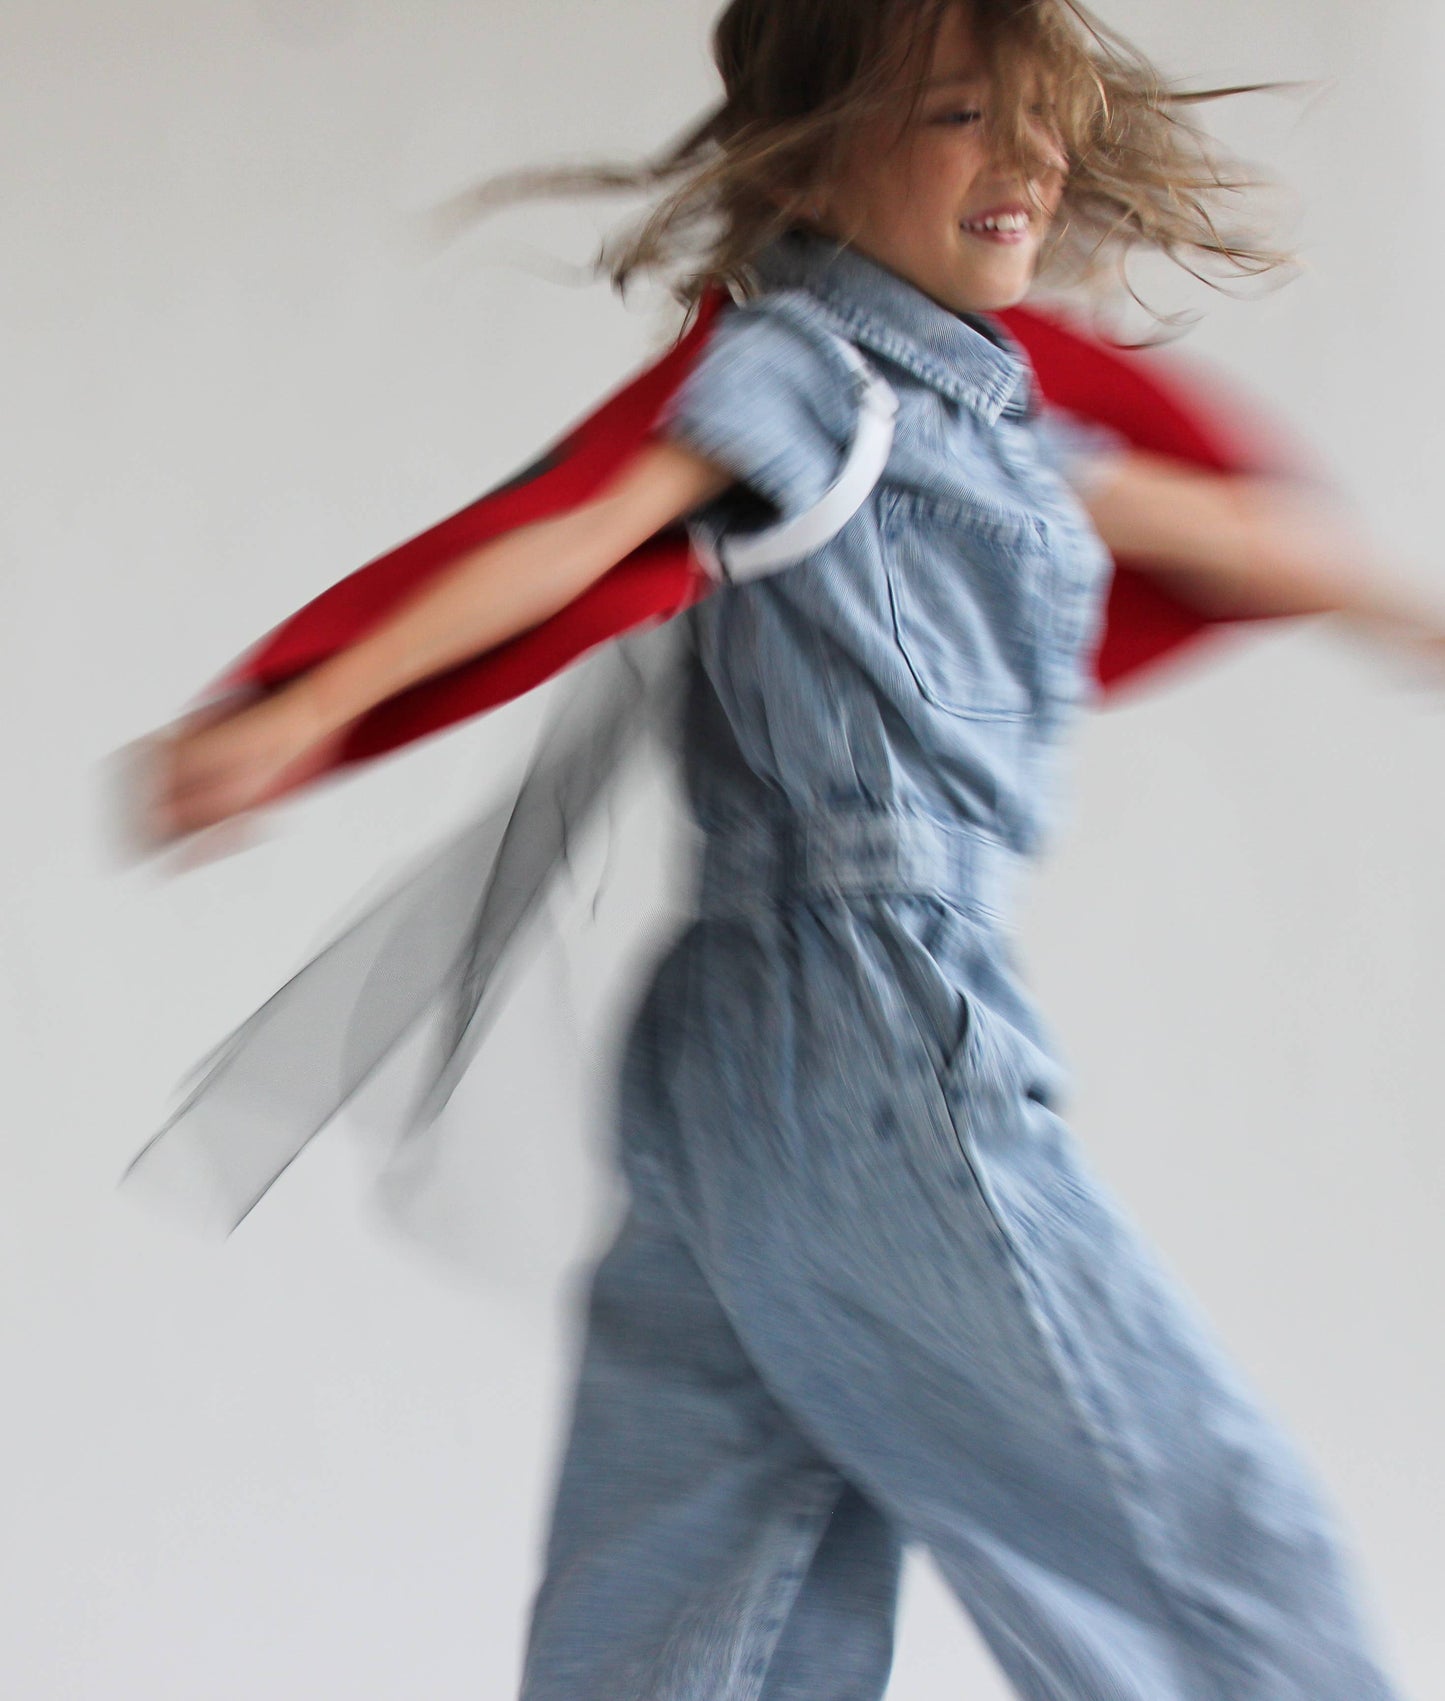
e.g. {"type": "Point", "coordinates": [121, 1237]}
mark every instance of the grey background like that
{"type": "Point", "coordinates": [315, 1459]}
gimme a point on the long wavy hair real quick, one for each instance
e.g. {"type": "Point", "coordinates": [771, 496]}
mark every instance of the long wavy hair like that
{"type": "Point", "coordinates": [797, 75]}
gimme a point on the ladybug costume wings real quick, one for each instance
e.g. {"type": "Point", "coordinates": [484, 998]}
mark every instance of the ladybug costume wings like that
{"type": "Point", "coordinates": [1143, 622]}
{"type": "Point", "coordinates": [442, 931]}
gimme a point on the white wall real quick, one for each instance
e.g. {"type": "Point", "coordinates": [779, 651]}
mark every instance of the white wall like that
{"type": "Point", "coordinates": [315, 1459]}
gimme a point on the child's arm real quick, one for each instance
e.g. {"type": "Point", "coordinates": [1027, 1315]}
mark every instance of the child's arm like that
{"type": "Point", "coordinates": [509, 585]}
{"type": "Point", "coordinates": [1239, 545]}
{"type": "Point", "coordinates": [215, 763]}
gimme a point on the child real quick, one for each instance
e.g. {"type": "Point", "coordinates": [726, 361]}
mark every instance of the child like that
{"type": "Point", "coordinates": [868, 1292]}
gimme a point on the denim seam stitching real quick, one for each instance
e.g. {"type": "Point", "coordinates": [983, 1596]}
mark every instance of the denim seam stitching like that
{"type": "Point", "coordinates": [1157, 1567]}
{"type": "Point", "coordinates": [812, 1507]}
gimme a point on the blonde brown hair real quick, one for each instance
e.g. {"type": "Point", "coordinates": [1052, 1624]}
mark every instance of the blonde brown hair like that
{"type": "Point", "coordinates": [797, 74]}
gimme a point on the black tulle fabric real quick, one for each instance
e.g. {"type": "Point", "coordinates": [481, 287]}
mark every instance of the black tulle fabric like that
{"type": "Point", "coordinates": [441, 937]}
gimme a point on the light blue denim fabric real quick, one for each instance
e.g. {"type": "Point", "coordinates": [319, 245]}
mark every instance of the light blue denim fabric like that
{"type": "Point", "coordinates": [868, 1292]}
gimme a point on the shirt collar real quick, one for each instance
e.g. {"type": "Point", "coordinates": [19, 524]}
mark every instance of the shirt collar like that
{"type": "Point", "coordinates": [985, 369]}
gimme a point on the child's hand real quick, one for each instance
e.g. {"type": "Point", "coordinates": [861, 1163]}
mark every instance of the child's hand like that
{"type": "Point", "coordinates": [218, 762]}
{"type": "Point", "coordinates": [1408, 642]}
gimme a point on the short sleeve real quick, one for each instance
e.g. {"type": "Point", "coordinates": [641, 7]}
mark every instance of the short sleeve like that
{"type": "Point", "coordinates": [772, 401]}
{"type": "Point", "coordinates": [1079, 450]}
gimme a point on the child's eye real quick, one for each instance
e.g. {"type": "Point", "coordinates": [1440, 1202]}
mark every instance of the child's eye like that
{"type": "Point", "coordinates": [964, 115]}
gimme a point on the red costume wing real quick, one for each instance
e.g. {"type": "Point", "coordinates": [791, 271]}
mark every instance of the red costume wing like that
{"type": "Point", "coordinates": [1164, 413]}
{"type": "Point", "coordinates": [1143, 622]}
{"type": "Point", "coordinates": [441, 933]}
{"type": "Point", "coordinates": [654, 582]}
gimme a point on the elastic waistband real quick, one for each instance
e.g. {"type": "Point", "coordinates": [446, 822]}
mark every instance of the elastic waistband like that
{"type": "Point", "coordinates": [855, 851]}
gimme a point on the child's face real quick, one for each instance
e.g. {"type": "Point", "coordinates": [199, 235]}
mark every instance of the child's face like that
{"type": "Point", "coordinates": [908, 202]}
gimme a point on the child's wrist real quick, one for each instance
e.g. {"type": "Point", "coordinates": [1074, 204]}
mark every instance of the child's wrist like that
{"type": "Point", "coordinates": [314, 712]}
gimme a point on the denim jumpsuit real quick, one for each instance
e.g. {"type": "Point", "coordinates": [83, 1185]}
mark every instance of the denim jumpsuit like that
{"type": "Point", "coordinates": [867, 1291]}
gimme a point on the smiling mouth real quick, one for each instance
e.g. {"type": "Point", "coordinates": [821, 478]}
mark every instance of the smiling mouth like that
{"type": "Point", "coordinates": [1007, 228]}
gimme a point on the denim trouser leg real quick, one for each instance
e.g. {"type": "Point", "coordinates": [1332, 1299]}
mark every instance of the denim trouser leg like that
{"type": "Point", "coordinates": [701, 1547]}
{"type": "Point", "coordinates": [838, 1638]}
{"type": "Point", "coordinates": [866, 1251]}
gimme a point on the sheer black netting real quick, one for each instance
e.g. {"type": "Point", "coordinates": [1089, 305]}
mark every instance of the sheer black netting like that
{"type": "Point", "coordinates": [439, 940]}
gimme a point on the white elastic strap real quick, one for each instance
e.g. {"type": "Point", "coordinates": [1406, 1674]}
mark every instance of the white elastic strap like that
{"type": "Point", "coordinates": [790, 540]}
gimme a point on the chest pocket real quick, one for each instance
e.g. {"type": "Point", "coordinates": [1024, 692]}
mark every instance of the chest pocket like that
{"type": "Point", "coordinates": [966, 601]}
